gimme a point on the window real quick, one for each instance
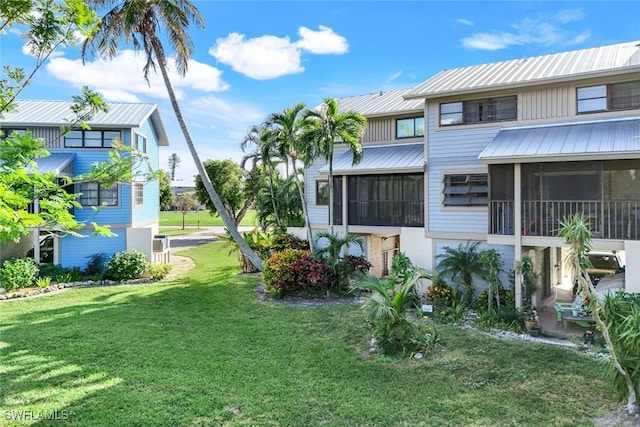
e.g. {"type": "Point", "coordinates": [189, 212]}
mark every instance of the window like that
{"type": "Point", "coordinates": [138, 191]}
{"type": "Point", "coordinates": [95, 194]}
{"type": "Point", "coordinates": [140, 144]}
{"type": "Point", "coordinates": [91, 138]}
{"type": "Point", "coordinates": [322, 193]}
{"type": "Point", "coordinates": [466, 189]}
{"type": "Point", "coordinates": [479, 111]}
{"type": "Point", "coordinates": [409, 128]}
{"type": "Point", "coordinates": [8, 131]}
{"type": "Point", "coordinates": [615, 96]}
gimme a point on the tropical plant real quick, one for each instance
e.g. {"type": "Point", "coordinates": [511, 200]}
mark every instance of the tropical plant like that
{"type": "Point", "coordinates": [279, 276]}
{"type": "Point", "coordinates": [493, 264]}
{"type": "Point", "coordinates": [139, 22]}
{"type": "Point", "coordinates": [461, 264]}
{"type": "Point", "coordinates": [621, 314]}
{"type": "Point", "coordinates": [330, 254]}
{"type": "Point", "coordinates": [18, 273]}
{"type": "Point", "coordinates": [529, 281]}
{"type": "Point", "coordinates": [388, 310]}
{"type": "Point", "coordinates": [126, 265]}
{"type": "Point", "coordinates": [167, 198]}
{"type": "Point", "coordinates": [158, 270]}
{"type": "Point", "coordinates": [575, 232]}
{"type": "Point", "coordinates": [96, 264]}
{"type": "Point", "coordinates": [279, 207]}
{"type": "Point", "coordinates": [43, 282]}
{"type": "Point", "coordinates": [325, 127]}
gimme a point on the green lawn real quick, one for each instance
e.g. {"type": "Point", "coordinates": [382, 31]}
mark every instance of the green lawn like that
{"type": "Point", "coordinates": [204, 351]}
{"type": "Point", "coordinates": [178, 231]}
{"type": "Point", "coordinates": [202, 218]}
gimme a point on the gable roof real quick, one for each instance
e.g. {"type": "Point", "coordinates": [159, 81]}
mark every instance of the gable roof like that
{"type": "Point", "coordinates": [58, 113]}
{"type": "Point", "coordinates": [593, 62]}
{"type": "Point", "coordinates": [394, 158]}
{"type": "Point", "coordinates": [381, 103]}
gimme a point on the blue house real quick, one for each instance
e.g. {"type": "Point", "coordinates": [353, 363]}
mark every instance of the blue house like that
{"type": "Point", "coordinates": [131, 209]}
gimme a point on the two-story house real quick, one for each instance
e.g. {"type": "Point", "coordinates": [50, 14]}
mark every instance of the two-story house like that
{"type": "Point", "coordinates": [131, 209]}
{"type": "Point", "coordinates": [511, 148]}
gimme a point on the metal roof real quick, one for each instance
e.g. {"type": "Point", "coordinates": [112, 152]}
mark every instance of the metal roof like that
{"type": "Point", "coordinates": [56, 162]}
{"type": "Point", "coordinates": [539, 69]}
{"type": "Point", "coordinates": [600, 140]}
{"type": "Point", "coordinates": [38, 113]}
{"type": "Point", "coordinates": [380, 103]}
{"type": "Point", "coordinates": [386, 158]}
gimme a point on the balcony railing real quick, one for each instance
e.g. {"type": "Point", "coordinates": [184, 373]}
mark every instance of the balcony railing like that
{"type": "Point", "coordinates": [618, 220]}
{"type": "Point", "coordinates": [386, 213]}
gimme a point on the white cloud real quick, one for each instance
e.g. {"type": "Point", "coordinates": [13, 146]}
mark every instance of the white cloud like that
{"type": "Point", "coordinates": [269, 57]}
{"type": "Point", "coordinates": [121, 79]}
{"type": "Point", "coordinates": [465, 22]}
{"type": "Point", "coordinates": [322, 42]}
{"type": "Point", "coordinates": [261, 58]}
{"type": "Point", "coordinates": [394, 76]}
{"type": "Point", "coordinates": [545, 30]}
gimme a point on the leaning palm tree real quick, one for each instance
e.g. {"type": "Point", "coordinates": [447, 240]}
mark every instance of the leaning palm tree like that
{"type": "Point", "coordinates": [325, 127]}
{"type": "Point", "coordinates": [285, 130]}
{"type": "Point", "coordinates": [139, 22]}
{"type": "Point", "coordinates": [576, 233]}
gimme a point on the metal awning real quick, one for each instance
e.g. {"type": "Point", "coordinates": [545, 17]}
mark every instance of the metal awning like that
{"type": "Point", "coordinates": [403, 158]}
{"type": "Point", "coordinates": [59, 163]}
{"type": "Point", "coordinates": [601, 140]}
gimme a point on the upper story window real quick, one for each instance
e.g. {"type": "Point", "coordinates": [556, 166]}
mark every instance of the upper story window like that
{"type": "Point", "coordinates": [615, 96]}
{"type": "Point", "coordinates": [140, 143]}
{"type": "Point", "coordinates": [91, 138]}
{"type": "Point", "coordinates": [322, 193]}
{"type": "Point", "coordinates": [6, 132]}
{"type": "Point", "coordinates": [470, 189]}
{"type": "Point", "coordinates": [479, 111]}
{"type": "Point", "coordinates": [95, 194]}
{"type": "Point", "coordinates": [409, 128]}
{"type": "Point", "coordinates": [138, 190]}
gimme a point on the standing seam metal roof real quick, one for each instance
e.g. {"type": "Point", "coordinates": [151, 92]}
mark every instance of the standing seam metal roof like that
{"type": "Point", "coordinates": [380, 103]}
{"type": "Point", "coordinates": [389, 158]}
{"type": "Point", "coordinates": [578, 63]}
{"type": "Point", "coordinates": [58, 113]}
{"type": "Point", "coordinates": [619, 139]}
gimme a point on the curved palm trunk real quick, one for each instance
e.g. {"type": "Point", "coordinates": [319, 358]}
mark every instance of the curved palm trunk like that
{"type": "Point", "coordinates": [215, 199]}
{"type": "Point", "coordinates": [276, 214]}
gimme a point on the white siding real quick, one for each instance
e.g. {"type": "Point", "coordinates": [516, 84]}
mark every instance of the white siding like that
{"type": "Point", "coordinates": [453, 151]}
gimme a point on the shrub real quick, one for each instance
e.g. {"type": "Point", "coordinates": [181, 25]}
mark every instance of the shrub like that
{"type": "Point", "coordinates": [505, 317]}
{"type": "Point", "coordinates": [282, 241]}
{"type": "Point", "coordinates": [278, 275]}
{"type": "Point", "coordinates": [440, 294]}
{"type": "Point", "coordinates": [312, 274]}
{"type": "Point", "coordinates": [96, 266]}
{"type": "Point", "coordinates": [507, 297]}
{"type": "Point", "coordinates": [43, 282]}
{"type": "Point", "coordinates": [158, 271]}
{"type": "Point", "coordinates": [18, 273]}
{"type": "Point", "coordinates": [126, 265]}
{"type": "Point", "coordinates": [53, 271]}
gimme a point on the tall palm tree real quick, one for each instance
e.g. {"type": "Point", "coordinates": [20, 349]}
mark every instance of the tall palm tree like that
{"type": "Point", "coordinates": [325, 127]}
{"type": "Point", "coordinates": [139, 22]}
{"type": "Point", "coordinates": [286, 130]}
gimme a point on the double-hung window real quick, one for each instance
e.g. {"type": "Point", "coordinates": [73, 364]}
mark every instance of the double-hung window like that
{"type": "Point", "coordinates": [409, 128]}
{"type": "Point", "coordinates": [471, 189]}
{"type": "Point", "coordinates": [611, 97]}
{"type": "Point", "coordinates": [138, 191]}
{"type": "Point", "coordinates": [322, 193]}
{"type": "Point", "coordinates": [91, 138]}
{"type": "Point", "coordinates": [479, 111]}
{"type": "Point", "coordinates": [96, 194]}
{"type": "Point", "coordinates": [140, 143]}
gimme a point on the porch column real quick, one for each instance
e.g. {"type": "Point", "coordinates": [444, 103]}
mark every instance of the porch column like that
{"type": "Point", "coordinates": [517, 230]}
{"type": "Point", "coordinates": [345, 208]}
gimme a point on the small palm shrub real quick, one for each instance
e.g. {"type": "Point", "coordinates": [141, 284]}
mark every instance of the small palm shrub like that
{"type": "Point", "coordinates": [388, 310]}
{"type": "Point", "coordinates": [278, 274]}
{"type": "Point", "coordinates": [159, 270]}
{"type": "Point", "coordinates": [126, 265]}
{"type": "Point", "coordinates": [18, 273]}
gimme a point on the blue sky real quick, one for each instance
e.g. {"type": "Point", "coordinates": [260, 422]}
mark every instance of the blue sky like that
{"type": "Point", "coordinates": [255, 58]}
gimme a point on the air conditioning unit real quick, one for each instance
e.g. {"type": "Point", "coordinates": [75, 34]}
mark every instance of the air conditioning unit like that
{"type": "Point", "coordinates": [160, 243]}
